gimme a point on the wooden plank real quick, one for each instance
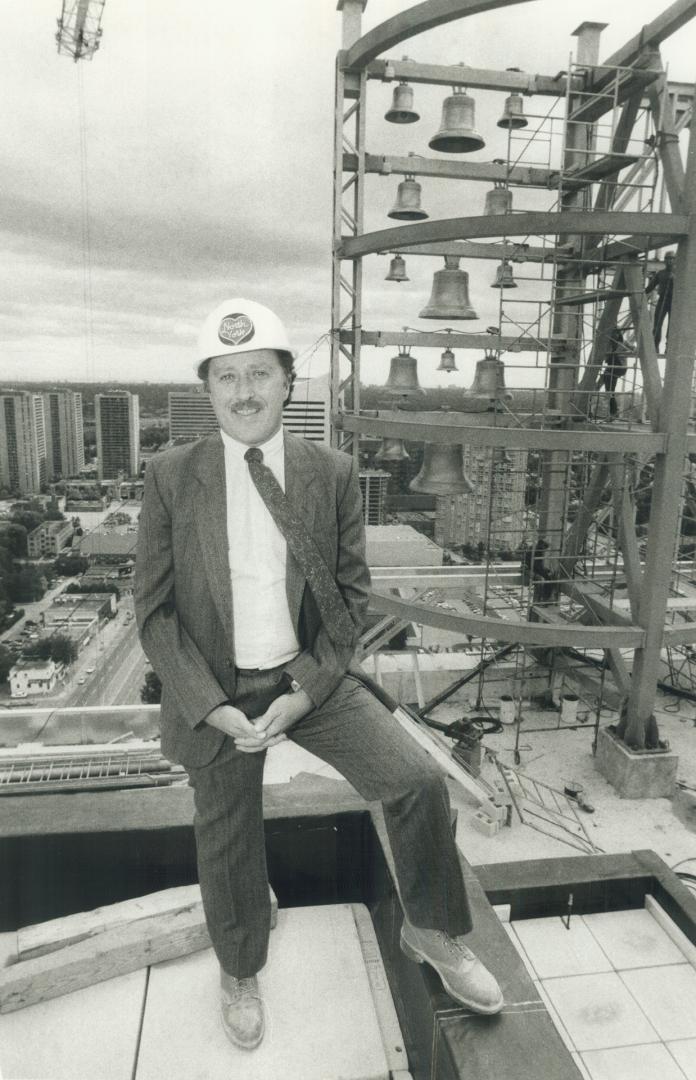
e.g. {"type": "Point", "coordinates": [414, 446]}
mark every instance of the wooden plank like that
{"type": "Point", "coordinates": [46, 937]}
{"type": "Point", "coordinates": [115, 952]}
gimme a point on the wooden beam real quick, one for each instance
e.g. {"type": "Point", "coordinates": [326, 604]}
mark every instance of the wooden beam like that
{"type": "Point", "coordinates": [114, 952]}
{"type": "Point", "coordinates": [47, 937]}
{"type": "Point", "coordinates": [461, 75]}
{"type": "Point", "coordinates": [413, 21]}
{"type": "Point", "coordinates": [541, 223]}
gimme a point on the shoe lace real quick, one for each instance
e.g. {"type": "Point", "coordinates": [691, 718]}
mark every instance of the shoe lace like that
{"type": "Point", "coordinates": [242, 988]}
{"type": "Point", "coordinates": [455, 946]}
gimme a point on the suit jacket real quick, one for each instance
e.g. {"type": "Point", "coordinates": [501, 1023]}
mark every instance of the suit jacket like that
{"type": "Point", "coordinates": [183, 593]}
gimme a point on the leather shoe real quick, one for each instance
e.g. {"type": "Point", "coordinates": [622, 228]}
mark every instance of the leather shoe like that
{"type": "Point", "coordinates": [463, 975]}
{"type": "Point", "coordinates": [242, 1011]}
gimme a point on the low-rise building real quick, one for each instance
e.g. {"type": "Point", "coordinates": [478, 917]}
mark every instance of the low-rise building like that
{"type": "Point", "coordinates": [112, 544]}
{"type": "Point", "coordinates": [400, 545]}
{"type": "Point", "coordinates": [34, 677]}
{"type": "Point", "coordinates": [79, 610]}
{"type": "Point", "coordinates": [48, 538]}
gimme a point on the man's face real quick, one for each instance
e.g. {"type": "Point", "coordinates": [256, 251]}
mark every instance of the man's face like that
{"type": "Point", "coordinates": [247, 391]}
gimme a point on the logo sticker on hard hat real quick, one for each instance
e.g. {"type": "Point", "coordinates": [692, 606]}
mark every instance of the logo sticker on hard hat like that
{"type": "Point", "coordinates": [236, 329]}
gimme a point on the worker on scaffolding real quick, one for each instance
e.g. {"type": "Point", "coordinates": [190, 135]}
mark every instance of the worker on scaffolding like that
{"type": "Point", "coordinates": [663, 282]}
{"type": "Point", "coordinates": [615, 367]}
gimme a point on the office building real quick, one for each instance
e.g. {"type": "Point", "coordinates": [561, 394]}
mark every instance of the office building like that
{"type": "Point", "coordinates": [494, 513]}
{"type": "Point", "coordinates": [117, 418]}
{"type": "Point", "coordinates": [22, 442]}
{"type": "Point", "coordinates": [191, 415]}
{"type": "Point", "coordinates": [64, 433]}
{"type": "Point", "coordinates": [48, 538]}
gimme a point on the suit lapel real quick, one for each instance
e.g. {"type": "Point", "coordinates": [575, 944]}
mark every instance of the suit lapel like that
{"type": "Point", "coordinates": [210, 497]}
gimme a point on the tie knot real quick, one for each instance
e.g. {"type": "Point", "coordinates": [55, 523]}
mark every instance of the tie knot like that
{"type": "Point", "coordinates": [254, 453]}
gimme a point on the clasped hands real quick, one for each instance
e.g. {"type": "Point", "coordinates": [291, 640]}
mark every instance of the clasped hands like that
{"type": "Point", "coordinates": [252, 736]}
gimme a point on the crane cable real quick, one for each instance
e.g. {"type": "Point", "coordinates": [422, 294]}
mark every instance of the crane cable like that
{"type": "Point", "coordinates": [87, 303]}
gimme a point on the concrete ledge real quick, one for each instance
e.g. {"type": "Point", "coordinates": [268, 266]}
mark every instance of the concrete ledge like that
{"type": "Point", "coordinates": [636, 774]}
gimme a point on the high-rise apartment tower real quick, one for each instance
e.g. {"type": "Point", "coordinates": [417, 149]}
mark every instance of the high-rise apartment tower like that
{"type": "Point", "coordinates": [117, 417]}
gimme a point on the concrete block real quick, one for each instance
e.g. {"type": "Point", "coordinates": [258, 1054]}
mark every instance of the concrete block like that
{"type": "Point", "coordinates": [636, 774]}
{"type": "Point", "coordinates": [484, 824]}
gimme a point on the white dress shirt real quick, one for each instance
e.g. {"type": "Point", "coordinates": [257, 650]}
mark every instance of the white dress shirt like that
{"type": "Point", "coordinates": [264, 636]}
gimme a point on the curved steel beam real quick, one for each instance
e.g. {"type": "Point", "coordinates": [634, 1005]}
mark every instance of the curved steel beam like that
{"type": "Point", "coordinates": [415, 20]}
{"type": "Point", "coordinates": [535, 223]}
{"type": "Point", "coordinates": [514, 630]}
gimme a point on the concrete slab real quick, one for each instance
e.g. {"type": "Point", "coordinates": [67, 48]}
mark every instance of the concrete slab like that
{"type": "Point", "coordinates": [92, 1032]}
{"type": "Point", "coordinates": [321, 1020]}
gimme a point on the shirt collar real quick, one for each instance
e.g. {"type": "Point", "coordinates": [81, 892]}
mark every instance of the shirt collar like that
{"type": "Point", "coordinates": [271, 448]}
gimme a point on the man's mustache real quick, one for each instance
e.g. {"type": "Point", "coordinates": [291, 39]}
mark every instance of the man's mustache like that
{"type": "Point", "coordinates": [252, 403]}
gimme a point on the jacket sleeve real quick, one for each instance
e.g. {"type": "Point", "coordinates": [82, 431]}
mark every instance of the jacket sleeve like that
{"type": "Point", "coordinates": [171, 651]}
{"type": "Point", "coordinates": [320, 668]}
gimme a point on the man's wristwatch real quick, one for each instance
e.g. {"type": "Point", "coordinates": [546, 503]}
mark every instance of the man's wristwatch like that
{"type": "Point", "coordinates": [294, 686]}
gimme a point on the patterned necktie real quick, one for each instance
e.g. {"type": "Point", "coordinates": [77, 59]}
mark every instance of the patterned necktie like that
{"type": "Point", "coordinates": [337, 622]}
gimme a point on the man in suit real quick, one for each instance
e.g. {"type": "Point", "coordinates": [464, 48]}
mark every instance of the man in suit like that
{"type": "Point", "coordinates": [252, 646]}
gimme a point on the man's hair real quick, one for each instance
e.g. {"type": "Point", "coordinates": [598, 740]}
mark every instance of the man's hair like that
{"type": "Point", "coordinates": [285, 360]}
{"type": "Point", "coordinates": [671, 255]}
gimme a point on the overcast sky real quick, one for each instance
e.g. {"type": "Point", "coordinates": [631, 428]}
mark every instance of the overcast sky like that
{"type": "Point", "coordinates": [191, 160]}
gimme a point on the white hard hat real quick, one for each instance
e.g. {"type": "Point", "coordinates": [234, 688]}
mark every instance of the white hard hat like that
{"type": "Point", "coordinates": [238, 326]}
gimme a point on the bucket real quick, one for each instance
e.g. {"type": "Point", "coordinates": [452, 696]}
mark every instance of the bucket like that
{"type": "Point", "coordinates": [569, 709]}
{"type": "Point", "coordinates": [507, 709]}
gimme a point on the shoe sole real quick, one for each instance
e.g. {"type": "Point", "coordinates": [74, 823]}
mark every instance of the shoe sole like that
{"type": "Point", "coordinates": [421, 958]}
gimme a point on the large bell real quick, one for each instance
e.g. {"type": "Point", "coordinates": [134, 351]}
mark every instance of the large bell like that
{"type": "Point", "coordinates": [449, 298]}
{"type": "Point", "coordinates": [397, 269]}
{"type": "Point", "coordinates": [403, 375]}
{"type": "Point", "coordinates": [513, 113]}
{"type": "Point", "coordinates": [442, 471]}
{"type": "Point", "coordinates": [498, 200]}
{"type": "Point", "coordinates": [447, 361]}
{"type": "Point", "coordinates": [407, 206]}
{"type": "Point", "coordinates": [402, 111]}
{"type": "Point", "coordinates": [392, 450]}
{"type": "Point", "coordinates": [457, 134]}
{"type": "Point", "coordinates": [489, 380]}
{"type": "Point", "coordinates": [503, 277]}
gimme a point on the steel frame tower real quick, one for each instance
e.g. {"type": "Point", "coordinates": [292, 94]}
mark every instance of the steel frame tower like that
{"type": "Point", "coordinates": [599, 253]}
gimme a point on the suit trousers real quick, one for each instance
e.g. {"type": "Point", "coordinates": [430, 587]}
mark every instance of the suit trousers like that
{"type": "Point", "coordinates": [357, 734]}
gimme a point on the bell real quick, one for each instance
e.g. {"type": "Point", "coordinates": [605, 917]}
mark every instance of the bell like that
{"type": "Point", "coordinates": [503, 277]}
{"type": "Point", "coordinates": [447, 361]}
{"type": "Point", "coordinates": [498, 200]}
{"type": "Point", "coordinates": [403, 375]}
{"type": "Point", "coordinates": [457, 134]}
{"type": "Point", "coordinates": [513, 113]}
{"type": "Point", "coordinates": [442, 471]}
{"type": "Point", "coordinates": [407, 206]}
{"type": "Point", "coordinates": [449, 298]}
{"type": "Point", "coordinates": [392, 450]}
{"type": "Point", "coordinates": [402, 111]}
{"type": "Point", "coordinates": [397, 269]}
{"type": "Point", "coordinates": [489, 380]}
